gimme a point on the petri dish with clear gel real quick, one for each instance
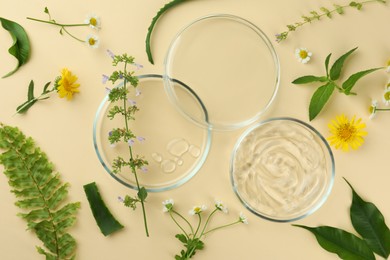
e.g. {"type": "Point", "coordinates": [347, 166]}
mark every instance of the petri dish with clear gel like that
{"type": "Point", "coordinates": [282, 169]}
{"type": "Point", "coordinates": [230, 64]}
{"type": "Point", "coordinates": [174, 148]}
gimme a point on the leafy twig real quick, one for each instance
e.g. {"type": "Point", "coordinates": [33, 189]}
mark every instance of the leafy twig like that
{"type": "Point", "coordinates": [314, 15]}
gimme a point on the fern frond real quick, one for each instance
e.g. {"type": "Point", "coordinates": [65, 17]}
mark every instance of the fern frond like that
{"type": "Point", "coordinates": [39, 192]}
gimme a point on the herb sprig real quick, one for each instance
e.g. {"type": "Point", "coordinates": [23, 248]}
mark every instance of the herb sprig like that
{"type": "Point", "coordinates": [324, 92]}
{"type": "Point", "coordinates": [314, 15]}
{"type": "Point", "coordinates": [124, 134]}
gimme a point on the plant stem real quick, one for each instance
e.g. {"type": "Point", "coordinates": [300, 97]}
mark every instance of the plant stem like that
{"type": "Point", "coordinates": [71, 35]}
{"type": "Point", "coordinates": [207, 222]}
{"type": "Point", "coordinates": [58, 24]}
{"type": "Point", "coordinates": [382, 109]}
{"type": "Point", "coordinates": [189, 224]}
{"type": "Point", "coordinates": [177, 223]}
{"type": "Point", "coordinates": [199, 222]}
{"type": "Point", "coordinates": [223, 226]}
{"type": "Point", "coordinates": [131, 157]}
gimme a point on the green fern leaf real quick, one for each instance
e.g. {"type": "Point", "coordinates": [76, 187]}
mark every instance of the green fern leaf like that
{"type": "Point", "coordinates": [39, 192]}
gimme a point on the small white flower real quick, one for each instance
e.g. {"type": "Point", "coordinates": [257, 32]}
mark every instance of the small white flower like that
{"type": "Point", "coordinates": [303, 55]}
{"type": "Point", "coordinates": [92, 41]}
{"type": "Point", "coordinates": [137, 92]}
{"type": "Point", "coordinates": [93, 21]}
{"type": "Point", "coordinates": [197, 210]}
{"type": "Point", "coordinates": [372, 109]}
{"type": "Point", "coordinates": [243, 218]}
{"type": "Point", "coordinates": [220, 206]}
{"type": "Point", "coordinates": [168, 205]}
{"type": "Point", "coordinates": [386, 95]}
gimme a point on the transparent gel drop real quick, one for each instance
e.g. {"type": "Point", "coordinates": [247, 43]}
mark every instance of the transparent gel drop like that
{"type": "Point", "coordinates": [168, 166]}
{"type": "Point", "coordinates": [157, 157]}
{"type": "Point", "coordinates": [194, 151]}
{"type": "Point", "coordinates": [178, 147]}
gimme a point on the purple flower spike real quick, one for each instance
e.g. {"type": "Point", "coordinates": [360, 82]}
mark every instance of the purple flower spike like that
{"type": "Point", "coordinates": [120, 199]}
{"type": "Point", "coordinates": [137, 92]}
{"type": "Point", "coordinates": [104, 79]}
{"type": "Point", "coordinates": [144, 169]}
{"type": "Point", "coordinates": [140, 138]}
{"type": "Point", "coordinates": [111, 54]}
{"type": "Point", "coordinates": [130, 142]}
{"type": "Point", "coordinates": [110, 133]}
{"type": "Point", "coordinates": [108, 90]}
{"type": "Point", "coordinates": [131, 102]}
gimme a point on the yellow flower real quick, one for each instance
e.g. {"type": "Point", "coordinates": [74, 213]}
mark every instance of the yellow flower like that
{"type": "Point", "coordinates": [346, 133]}
{"type": "Point", "coordinates": [66, 84]}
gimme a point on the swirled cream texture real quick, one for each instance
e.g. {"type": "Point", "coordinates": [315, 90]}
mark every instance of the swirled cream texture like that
{"type": "Point", "coordinates": [282, 169]}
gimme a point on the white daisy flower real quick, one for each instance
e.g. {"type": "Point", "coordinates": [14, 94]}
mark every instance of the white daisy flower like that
{"type": "Point", "coordinates": [197, 210]}
{"type": "Point", "coordinates": [386, 95]}
{"type": "Point", "coordinates": [168, 205]}
{"type": "Point", "coordinates": [92, 41]}
{"type": "Point", "coordinates": [388, 66]}
{"type": "Point", "coordinates": [220, 206]}
{"type": "Point", "coordinates": [93, 21]}
{"type": "Point", "coordinates": [373, 109]}
{"type": "Point", "coordinates": [303, 55]}
{"type": "Point", "coordinates": [243, 218]}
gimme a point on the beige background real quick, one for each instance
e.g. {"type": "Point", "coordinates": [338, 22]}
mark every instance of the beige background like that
{"type": "Point", "coordinates": [64, 129]}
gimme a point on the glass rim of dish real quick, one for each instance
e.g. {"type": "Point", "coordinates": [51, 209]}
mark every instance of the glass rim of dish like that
{"type": "Point", "coordinates": [169, 60]}
{"type": "Point", "coordinates": [183, 180]}
{"type": "Point", "coordinates": [327, 152]}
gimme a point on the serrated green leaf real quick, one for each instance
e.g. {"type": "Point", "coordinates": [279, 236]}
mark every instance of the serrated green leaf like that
{"type": "Point", "coordinates": [30, 175]}
{"type": "Point", "coordinates": [103, 217]}
{"type": "Point", "coordinates": [65, 212]}
{"type": "Point", "coordinates": [319, 99]}
{"type": "Point", "coordinates": [309, 79]}
{"type": "Point", "coordinates": [337, 66]}
{"type": "Point", "coordinates": [20, 47]}
{"type": "Point", "coordinates": [346, 245]}
{"type": "Point", "coordinates": [351, 81]}
{"type": "Point", "coordinates": [327, 64]}
{"type": "Point", "coordinates": [68, 242]}
{"type": "Point", "coordinates": [182, 238]}
{"type": "Point", "coordinates": [369, 222]}
{"type": "Point", "coordinates": [153, 23]}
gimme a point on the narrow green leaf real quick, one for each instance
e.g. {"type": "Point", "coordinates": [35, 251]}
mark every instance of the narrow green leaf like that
{"type": "Point", "coordinates": [104, 219]}
{"type": "Point", "coordinates": [369, 222]}
{"type": "Point", "coordinates": [309, 79]}
{"type": "Point", "coordinates": [45, 88]}
{"type": "Point", "coordinates": [20, 47]}
{"type": "Point", "coordinates": [346, 245]}
{"type": "Point", "coordinates": [35, 215]}
{"type": "Point", "coordinates": [153, 23]}
{"type": "Point", "coordinates": [319, 99]}
{"type": "Point", "coordinates": [25, 106]}
{"type": "Point", "coordinates": [335, 70]}
{"type": "Point", "coordinates": [30, 93]}
{"type": "Point", "coordinates": [327, 64]}
{"type": "Point", "coordinates": [66, 211]}
{"type": "Point", "coordinates": [58, 196]}
{"type": "Point", "coordinates": [351, 81]}
{"type": "Point", "coordinates": [142, 194]}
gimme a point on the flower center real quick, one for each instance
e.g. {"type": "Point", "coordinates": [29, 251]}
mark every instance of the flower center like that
{"type": "Point", "coordinates": [93, 21]}
{"type": "Point", "coordinates": [387, 96]}
{"type": "Point", "coordinates": [303, 54]}
{"type": "Point", "coordinates": [346, 131]}
{"type": "Point", "coordinates": [372, 109]}
{"type": "Point", "coordinates": [91, 41]}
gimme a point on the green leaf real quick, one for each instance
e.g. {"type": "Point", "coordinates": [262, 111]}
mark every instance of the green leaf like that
{"type": "Point", "coordinates": [369, 222]}
{"type": "Point", "coordinates": [335, 70]}
{"type": "Point", "coordinates": [153, 23]}
{"type": "Point", "coordinates": [182, 238]}
{"type": "Point", "coordinates": [319, 99]}
{"type": "Point", "coordinates": [30, 93]}
{"type": "Point", "coordinates": [309, 79]}
{"type": "Point", "coordinates": [103, 217]}
{"type": "Point", "coordinates": [38, 190]}
{"type": "Point", "coordinates": [327, 64]}
{"type": "Point", "coordinates": [20, 47]}
{"type": "Point", "coordinates": [351, 81]}
{"type": "Point", "coordinates": [346, 245]}
{"type": "Point", "coordinates": [142, 194]}
{"type": "Point", "coordinates": [45, 88]}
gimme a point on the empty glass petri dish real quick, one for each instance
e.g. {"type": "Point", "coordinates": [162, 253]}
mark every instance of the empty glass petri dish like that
{"type": "Point", "coordinates": [174, 148]}
{"type": "Point", "coordinates": [230, 64]}
{"type": "Point", "coordinates": [282, 169]}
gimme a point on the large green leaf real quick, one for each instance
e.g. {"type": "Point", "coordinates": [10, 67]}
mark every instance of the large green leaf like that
{"type": "Point", "coordinates": [153, 23]}
{"type": "Point", "coordinates": [335, 70]}
{"type": "Point", "coordinates": [104, 219]}
{"type": "Point", "coordinates": [319, 99]}
{"type": "Point", "coordinates": [346, 245]}
{"type": "Point", "coordinates": [20, 48]}
{"type": "Point", "coordinates": [39, 191]}
{"type": "Point", "coordinates": [369, 222]}
{"type": "Point", "coordinates": [309, 79]}
{"type": "Point", "coordinates": [351, 81]}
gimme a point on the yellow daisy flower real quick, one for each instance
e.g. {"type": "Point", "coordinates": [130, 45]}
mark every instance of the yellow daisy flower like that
{"type": "Point", "coordinates": [346, 133]}
{"type": "Point", "coordinates": [66, 84]}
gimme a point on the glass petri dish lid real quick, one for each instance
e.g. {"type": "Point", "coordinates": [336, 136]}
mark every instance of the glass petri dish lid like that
{"type": "Point", "coordinates": [282, 169]}
{"type": "Point", "coordinates": [230, 64]}
{"type": "Point", "coordinates": [173, 147]}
